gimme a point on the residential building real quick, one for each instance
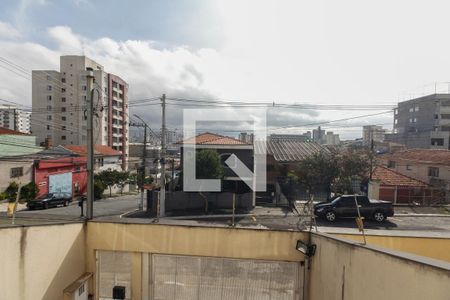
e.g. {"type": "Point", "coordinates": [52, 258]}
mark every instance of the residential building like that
{"type": "Point", "coordinates": [105, 157]}
{"type": "Point", "coordinates": [423, 122]}
{"type": "Point", "coordinates": [15, 168]}
{"type": "Point", "coordinates": [318, 134]}
{"type": "Point", "coordinates": [17, 143]}
{"type": "Point", "coordinates": [15, 118]}
{"type": "Point", "coordinates": [282, 157]}
{"type": "Point", "coordinates": [387, 184]}
{"type": "Point", "coordinates": [225, 146]}
{"type": "Point", "coordinates": [331, 139]}
{"type": "Point", "coordinates": [373, 133]}
{"type": "Point", "coordinates": [246, 137]}
{"type": "Point", "coordinates": [60, 98]}
{"type": "Point", "coordinates": [428, 165]}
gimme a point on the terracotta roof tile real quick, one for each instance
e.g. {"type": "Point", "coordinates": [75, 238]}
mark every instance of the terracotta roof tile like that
{"type": "Point", "coordinates": [11, 132]}
{"type": "Point", "coordinates": [208, 138]}
{"type": "Point", "coordinates": [98, 150]}
{"type": "Point", "coordinates": [426, 156]}
{"type": "Point", "coordinates": [390, 177]}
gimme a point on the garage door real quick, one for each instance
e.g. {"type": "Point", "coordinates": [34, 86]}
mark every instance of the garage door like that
{"type": "Point", "coordinates": [189, 277]}
{"type": "Point", "coordinates": [60, 183]}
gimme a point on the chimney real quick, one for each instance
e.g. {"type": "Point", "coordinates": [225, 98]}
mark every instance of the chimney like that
{"type": "Point", "coordinates": [48, 143]}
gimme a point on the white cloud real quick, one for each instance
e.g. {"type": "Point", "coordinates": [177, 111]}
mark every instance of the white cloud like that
{"type": "Point", "coordinates": [7, 31]}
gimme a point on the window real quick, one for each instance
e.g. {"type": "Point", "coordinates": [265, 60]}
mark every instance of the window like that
{"type": "Point", "coordinates": [63, 109]}
{"type": "Point", "coordinates": [436, 116]}
{"type": "Point", "coordinates": [71, 65]}
{"type": "Point", "coordinates": [395, 121]}
{"type": "Point", "coordinates": [410, 120]}
{"type": "Point", "coordinates": [396, 111]}
{"type": "Point", "coordinates": [63, 127]}
{"type": "Point", "coordinates": [408, 167]}
{"type": "Point", "coordinates": [49, 107]}
{"type": "Point", "coordinates": [48, 127]}
{"type": "Point", "coordinates": [63, 90]}
{"type": "Point", "coordinates": [81, 290]}
{"type": "Point", "coordinates": [49, 97]}
{"type": "Point", "coordinates": [84, 98]}
{"type": "Point", "coordinates": [411, 109]}
{"type": "Point", "coordinates": [49, 118]}
{"type": "Point", "coordinates": [415, 120]}
{"type": "Point", "coordinates": [391, 164]}
{"type": "Point", "coordinates": [433, 172]}
{"type": "Point", "coordinates": [63, 99]}
{"type": "Point", "coordinates": [63, 80]}
{"type": "Point", "coordinates": [16, 172]}
{"type": "Point", "coordinates": [416, 108]}
{"type": "Point", "coordinates": [49, 88]}
{"type": "Point", "coordinates": [437, 142]}
{"type": "Point", "coordinates": [84, 88]}
{"type": "Point", "coordinates": [445, 116]}
{"type": "Point", "coordinates": [63, 118]}
{"type": "Point", "coordinates": [63, 137]}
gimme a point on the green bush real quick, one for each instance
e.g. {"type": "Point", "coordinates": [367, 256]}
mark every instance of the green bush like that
{"type": "Point", "coordinates": [29, 191]}
{"type": "Point", "coordinates": [99, 188]}
{"type": "Point", "coordinates": [11, 191]}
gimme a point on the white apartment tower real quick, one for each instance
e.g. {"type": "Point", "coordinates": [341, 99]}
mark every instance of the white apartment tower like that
{"type": "Point", "coordinates": [14, 118]}
{"type": "Point", "coordinates": [59, 100]}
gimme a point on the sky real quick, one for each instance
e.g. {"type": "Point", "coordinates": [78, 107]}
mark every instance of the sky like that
{"type": "Point", "coordinates": [324, 52]}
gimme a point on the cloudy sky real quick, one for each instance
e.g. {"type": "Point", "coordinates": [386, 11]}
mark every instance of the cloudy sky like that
{"type": "Point", "coordinates": [325, 52]}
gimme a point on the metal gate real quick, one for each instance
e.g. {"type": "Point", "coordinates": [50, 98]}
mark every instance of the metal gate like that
{"type": "Point", "coordinates": [191, 277]}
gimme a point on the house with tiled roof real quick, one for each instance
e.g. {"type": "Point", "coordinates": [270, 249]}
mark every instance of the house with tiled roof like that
{"type": "Point", "coordinates": [387, 184]}
{"type": "Point", "coordinates": [105, 157]}
{"type": "Point", "coordinates": [17, 143]}
{"type": "Point", "coordinates": [225, 146]}
{"type": "Point", "coordinates": [428, 165]}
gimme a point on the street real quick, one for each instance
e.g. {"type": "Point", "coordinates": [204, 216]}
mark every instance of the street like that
{"type": "Point", "coordinates": [268, 217]}
{"type": "Point", "coordinates": [103, 207]}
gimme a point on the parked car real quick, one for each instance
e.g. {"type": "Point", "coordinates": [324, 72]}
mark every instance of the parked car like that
{"type": "Point", "coordinates": [345, 207]}
{"type": "Point", "coordinates": [50, 200]}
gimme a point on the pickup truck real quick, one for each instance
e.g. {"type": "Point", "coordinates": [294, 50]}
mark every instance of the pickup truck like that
{"type": "Point", "coordinates": [345, 207]}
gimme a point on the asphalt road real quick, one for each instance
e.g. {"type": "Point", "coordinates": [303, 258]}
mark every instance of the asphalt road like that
{"type": "Point", "coordinates": [104, 207]}
{"type": "Point", "coordinates": [119, 205]}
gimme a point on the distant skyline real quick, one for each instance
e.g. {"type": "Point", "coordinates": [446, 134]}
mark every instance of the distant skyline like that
{"type": "Point", "coordinates": [329, 52]}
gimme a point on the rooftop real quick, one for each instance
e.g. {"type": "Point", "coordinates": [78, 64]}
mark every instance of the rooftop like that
{"type": "Point", "coordinates": [208, 138]}
{"type": "Point", "coordinates": [6, 131]}
{"type": "Point", "coordinates": [100, 150]}
{"type": "Point", "coordinates": [425, 156]}
{"type": "Point", "coordinates": [287, 151]}
{"type": "Point", "coordinates": [390, 177]}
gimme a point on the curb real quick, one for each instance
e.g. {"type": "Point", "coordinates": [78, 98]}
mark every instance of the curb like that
{"type": "Point", "coordinates": [423, 215]}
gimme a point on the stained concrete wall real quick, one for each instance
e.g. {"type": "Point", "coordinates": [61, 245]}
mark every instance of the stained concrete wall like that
{"type": "Point", "coordinates": [431, 247]}
{"type": "Point", "coordinates": [346, 270]}
{"type": "Point", "coordinates": [38, 262]}
{"type": "Point", "coordinates": [187, 240]}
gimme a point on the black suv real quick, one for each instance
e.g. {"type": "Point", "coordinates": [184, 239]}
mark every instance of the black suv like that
{"type": "Point", "coordinates": [50, 200]}
{"type": "Point", "coordinates": [345, 207]}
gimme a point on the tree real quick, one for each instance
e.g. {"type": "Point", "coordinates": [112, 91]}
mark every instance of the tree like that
{"type": "Point", "coordinates": [108, 178]}
{"type": "Point", "coordinates": [123, 178]}
{"type": "Point", "coordinates": [208, 166]}
{"type": "Point", "coordinates": [332, 171]}
{"type": "Point", "coordinates": [317, 172]}
{"type": "Point", "coordinates": [99, 188]}
{"type": "Point", "coordinates": [29, 191]}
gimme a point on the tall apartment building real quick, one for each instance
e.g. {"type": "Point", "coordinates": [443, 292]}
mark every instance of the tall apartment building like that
{"type": "Point", "coordinates": [15, 118]}
{"type": "Point", "coordinates": [59, 100]}
{"type": "Point", "coordinates": [423, 122]}
{"type": "Point", "coordinates": [318, 134]}
{"type": "Point", "coordinates": [373, 133]}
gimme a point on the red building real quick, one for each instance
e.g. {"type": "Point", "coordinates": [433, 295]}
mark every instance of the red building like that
{"type": "Point", "coordinates": [68, 175]}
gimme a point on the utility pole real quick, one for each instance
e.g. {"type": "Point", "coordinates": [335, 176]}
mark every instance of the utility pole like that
{"type": "Point", "coordinates": [90, 146]}
{"type": "Point", "coordinates": [144, 158]}
{"type": "Point", "coordinates": [162, 206]}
